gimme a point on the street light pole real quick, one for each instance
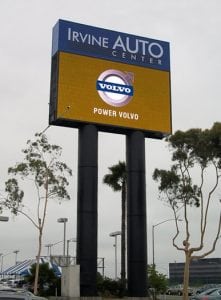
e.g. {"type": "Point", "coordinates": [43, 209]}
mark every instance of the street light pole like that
{"type": "Point", "coordinates": [63, 220]}
{"type": "Point", "coordinates": [49, 249]}
{"type": "Point", "coordinates": [115, 234]}
{"type": "Point", "coordinates": [2, 260]}
{"type": "Point", "coordinates": [153, 246]}
{"type": "Point", "coordinates": [49, 246]}
{"type": "Point", "coordinates": [153, 238]}
{"type": "Point", "coordinates": [68, 242]}
{"type": "Point", "coordinates": [16, 256]}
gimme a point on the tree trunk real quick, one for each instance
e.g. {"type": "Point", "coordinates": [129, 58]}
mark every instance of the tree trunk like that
{"type": "Point", "coordinates": [186, 276]}
{"type": "Point", "coordinates": [123, 234]}
{"type": "Point", "coordinates": [38, 262]}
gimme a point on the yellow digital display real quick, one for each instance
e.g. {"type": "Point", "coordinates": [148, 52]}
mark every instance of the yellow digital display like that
{"type": "Point", "coordinates": [108, 93]}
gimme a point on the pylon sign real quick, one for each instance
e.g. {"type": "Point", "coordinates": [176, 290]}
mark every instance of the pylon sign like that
{"type": "Point", "coordinates": [114, 80]}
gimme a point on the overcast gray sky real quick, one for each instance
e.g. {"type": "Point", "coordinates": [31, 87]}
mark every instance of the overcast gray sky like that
{"type": "Point", "coordinates": [193, 29]}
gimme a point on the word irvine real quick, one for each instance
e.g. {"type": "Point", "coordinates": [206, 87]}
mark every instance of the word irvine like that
{"type": "Point", "coordinates": [115, 114]}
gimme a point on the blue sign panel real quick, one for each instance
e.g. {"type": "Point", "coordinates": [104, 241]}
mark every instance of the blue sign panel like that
{"type": "Point", "coordinates": [110, 45]}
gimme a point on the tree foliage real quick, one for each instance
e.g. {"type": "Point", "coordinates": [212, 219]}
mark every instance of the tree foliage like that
{"type": "Point", "coordinates": [193, 180]}
{"type": "Point", "coordinates": [48, 283]}
{"type": "Point", "coordinates": [108, 287]}
{"type": "Point", "coordinates": [42, 167]}
{"type": "Point", "coordinates": [157, 281]}
{"type": "Point", "coordinates": [116, 177]}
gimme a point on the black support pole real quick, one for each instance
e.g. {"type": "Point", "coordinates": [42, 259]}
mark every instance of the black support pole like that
{"type": "Point", "coordinates": [87, 209]}
{"type": "Point", "coordinates": [137, 233]}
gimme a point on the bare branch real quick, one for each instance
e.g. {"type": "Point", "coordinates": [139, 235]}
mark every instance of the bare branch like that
{"type": "Point", "coordinates": [201, 202]}
{"type": "Point", "coordinates": [28, 217]}
{"type": "Point", "coordinates": [177, 230]}
{"type": "Point", "coordinates": [209, 199]}
{"type": "Point", "coordinates": [213, 245]}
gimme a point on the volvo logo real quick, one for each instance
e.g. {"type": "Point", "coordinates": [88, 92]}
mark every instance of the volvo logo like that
{"type": "Point", "coordinates": [115, 87]}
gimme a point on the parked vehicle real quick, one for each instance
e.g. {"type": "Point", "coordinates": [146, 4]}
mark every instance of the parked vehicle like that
{"type": "Point", "coordinates": [3, 281]}
{"type": "Point", "coordinates": [16, 283]}
{"type": "Point", "coordinates": [209, 294]}
{"type": "Point", "coordinates": [178, 290]}
{"type": "Point", "coordinates": [11, 294]}
{"type": "Point", "coordinates": [207, 287]}
{"type": "Point", "coordinates": [173, 290]}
